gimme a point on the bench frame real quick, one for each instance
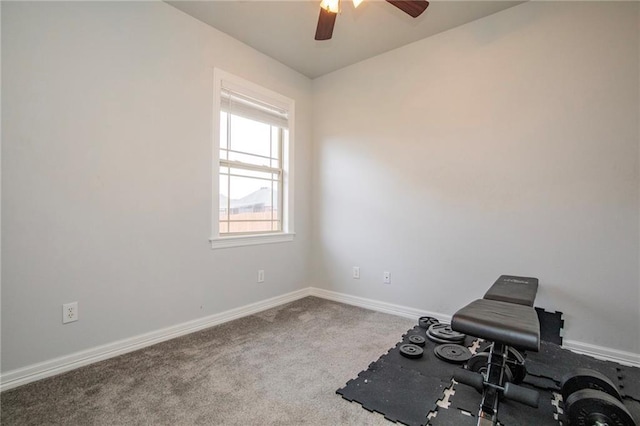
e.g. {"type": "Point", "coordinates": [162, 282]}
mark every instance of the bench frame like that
{"type": "Point", "coordinates": [496, 367]}
{"type": "Point", "coordinates": [494, 384]}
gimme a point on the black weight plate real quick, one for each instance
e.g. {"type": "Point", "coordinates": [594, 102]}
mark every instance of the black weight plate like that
{"type": "Point", "coordinates": [455, 354]}
{"type": "Point", "coordinates": [441, 341]}
{"type": "Point", "coordinates": [515, 360]}
{"type": "Point", "coordinates": [508, 375]}
{"type": "Point", "coordinates": [426, 322]}
{"type": "Point", "coordinates": [444, 332]}
{"type": "Point", "coordinates": [478, 363]}
{"type": "Point", "coordinates": [417, 340]}
{"type": "Point", "coordinates": [411, 351]}
{"type": "Point", "coordinates": [586, 378]}
{"type": "Point", "coordinates": [594, 407]}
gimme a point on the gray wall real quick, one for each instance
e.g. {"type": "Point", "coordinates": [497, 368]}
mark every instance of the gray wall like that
{"type": "Point", "coordinates": [509, 145]}
{"type": "Point", "coordinates": [106, 175]}
{"type": "Point", "coordinates": [505, 146]}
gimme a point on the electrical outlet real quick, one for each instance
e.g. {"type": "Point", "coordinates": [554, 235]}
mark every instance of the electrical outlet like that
{"type": "Point", "coordinates": [356, 272]}
{"type": "Point", "coordinates": [260, 275]}
{"type": "Point", "coordinates": [69, 312]}
{"type": "Point", "coordinates": [387, 277]}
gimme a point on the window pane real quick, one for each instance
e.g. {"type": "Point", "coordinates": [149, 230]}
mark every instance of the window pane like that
{"type": "Point", "coordinates": [224, 227]}
{"type": "Point", "coordinates": [250, 136]}
{"type": "Point", "coordinates": [274, 189]}
{"type": "Point", "coordinates": [253, 204]}
{"type": "Point", "coordinates": [250, 227]}
{"type": "Point", "coordinates": [224, 188]}
{"type": "Point", "coordinates": [253, 195]}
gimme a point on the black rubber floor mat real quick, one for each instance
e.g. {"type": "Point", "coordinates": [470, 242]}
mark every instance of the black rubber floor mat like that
{"type": "Point", "coordinates": [554, 362]}
{"type": "Point", "coordinates": [512, 413]}
{"type": "Point", "coordinates": [400, 395]}
{"type": "Point", "coordinates": [542, 383]}
{"type": "Point", "coordinates": [630, 382]}
{"type": "Point", "coordinates": [463, 408]}
{"type": "Point", "coordinates": [465, 398]}
{"type": "Point", "coordinates": [551, 324]}
{"type": "Point", "coordinates": [406, 390]}
{"type": "Point", "coordinates": [452, 417]}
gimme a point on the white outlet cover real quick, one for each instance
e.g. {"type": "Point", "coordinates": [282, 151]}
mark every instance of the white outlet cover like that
{"type": "Point", "coordinates": [69, 312]}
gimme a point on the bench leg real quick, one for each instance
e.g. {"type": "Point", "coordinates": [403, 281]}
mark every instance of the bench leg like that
{"type": "Point", "coordinates": [495, 376]}
{"type": "Point", "coordinates": [494, 383]}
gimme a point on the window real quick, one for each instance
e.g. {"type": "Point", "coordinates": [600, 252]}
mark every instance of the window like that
{"type": "Point", "coordinates": [252, 178]}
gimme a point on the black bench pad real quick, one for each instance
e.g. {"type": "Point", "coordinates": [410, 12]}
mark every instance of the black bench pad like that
{"type": "Point", "coordinates": [512, 324]}
{"type": "Point", "coordinates": [512, 289]}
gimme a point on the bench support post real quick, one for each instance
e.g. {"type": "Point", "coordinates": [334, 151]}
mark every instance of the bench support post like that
{"type": "Point", "coordinates": [495, 376]}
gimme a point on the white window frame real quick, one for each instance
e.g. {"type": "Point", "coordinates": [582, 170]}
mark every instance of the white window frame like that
{"type": "Point", "coordinates": [229, 81]}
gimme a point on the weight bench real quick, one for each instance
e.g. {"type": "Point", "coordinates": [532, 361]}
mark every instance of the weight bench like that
{"type": "Point", "coordinates": [506, 317]}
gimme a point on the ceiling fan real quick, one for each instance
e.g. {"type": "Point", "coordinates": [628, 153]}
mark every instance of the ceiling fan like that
{"type": "Point", "coordinates": [329, 11]}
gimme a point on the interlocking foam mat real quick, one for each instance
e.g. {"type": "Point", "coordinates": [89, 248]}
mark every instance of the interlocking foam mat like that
{"type": "Point", "coordinates": [551, 325]}
{"type": "Point", "coordinates": [401, 395]}
{"type": "Point", "coordinates": [408, 391]}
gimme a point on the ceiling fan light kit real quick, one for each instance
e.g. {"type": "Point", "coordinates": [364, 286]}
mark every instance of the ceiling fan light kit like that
{"type": "Point", "coordinates": [332, 6]}
{"type": "Point", "coordinates": [329, 10]}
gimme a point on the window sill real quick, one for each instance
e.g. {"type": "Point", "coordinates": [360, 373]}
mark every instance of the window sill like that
{"type": "Point", "coordinates": [249, 240]}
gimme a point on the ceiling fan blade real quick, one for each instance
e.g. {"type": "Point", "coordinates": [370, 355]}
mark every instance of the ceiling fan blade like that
{"type": "Point", "coordinates": [413, 8]}
{"type": "Point", "coordinates": [326, 21]}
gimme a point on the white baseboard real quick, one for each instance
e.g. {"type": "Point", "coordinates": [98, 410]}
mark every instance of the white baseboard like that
{"type": "Point", "coordinates": [600, 352]}
{"type": "Point", "coordinates": [376, 305]}
{"type": "Point", "coordinates": [31, 373]}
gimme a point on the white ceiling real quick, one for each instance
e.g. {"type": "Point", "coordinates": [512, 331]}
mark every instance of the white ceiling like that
{"type": "Point", "coordinates": [285, 30]}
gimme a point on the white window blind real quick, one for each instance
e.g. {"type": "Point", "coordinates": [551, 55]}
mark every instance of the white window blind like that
{"type": "Point", "coordinates": [253, 109]}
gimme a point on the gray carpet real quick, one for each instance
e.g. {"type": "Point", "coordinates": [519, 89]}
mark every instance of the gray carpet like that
{"type": "Point", "coordinates": [281, 366]}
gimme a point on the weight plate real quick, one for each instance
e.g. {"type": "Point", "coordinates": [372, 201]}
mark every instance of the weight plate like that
{"type": "Point", "coordinates": [456, 354]}
{"type": "Point", "coordinates": [480, 362]}
{"type": "Point", "coordinates": [585, 378]}
{"type": "Point", "coordinates": [515, 361]}
{"type": "Point", "coordinates": [417, 340]}
{"type": "Point", "coordinates": [440, 341]}
{"type": "Point", "coordinates": [508, 375]}
{"type": "Point", "coordinates": [444, 332]}
{"type": "Point", "coordinates": [426, 322]}
{"type": "Point", "coordinates": [411, 351]}
{"type": "Point", "coordinates": [593, 407]}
